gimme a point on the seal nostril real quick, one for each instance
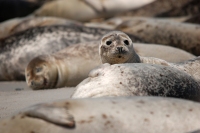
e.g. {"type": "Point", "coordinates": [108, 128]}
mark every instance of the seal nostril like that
{"type": "Point", "coordinates": [32, 83]}
{"type": "Point", "coordinates": [120, 49]}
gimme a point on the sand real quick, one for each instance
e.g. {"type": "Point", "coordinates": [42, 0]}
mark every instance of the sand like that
{"type": "Point", "coordinates": [15, 96]}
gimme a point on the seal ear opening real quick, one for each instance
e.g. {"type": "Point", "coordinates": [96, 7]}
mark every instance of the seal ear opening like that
{"type": "Point", "coordinates": [56, 115]}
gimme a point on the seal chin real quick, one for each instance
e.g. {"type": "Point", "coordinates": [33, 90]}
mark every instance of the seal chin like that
{"type": "Point", "coordinates": [116, 59]}
{"type": "Point", "coordinates": [120, 58]}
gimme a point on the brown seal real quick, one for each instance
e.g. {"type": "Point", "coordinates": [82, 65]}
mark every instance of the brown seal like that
{"type": "Point", "coordinates": [64, 68]}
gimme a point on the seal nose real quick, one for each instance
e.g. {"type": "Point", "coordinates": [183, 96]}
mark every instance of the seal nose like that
{"type": "Point", "coordinates": [120, 49]}
{"type": "Point", "coordinates": [32, 83]}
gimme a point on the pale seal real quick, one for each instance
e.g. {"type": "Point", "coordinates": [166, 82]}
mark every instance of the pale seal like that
{"type": "Point", "coordinates": [67, 67]}
{"type": "Point", "coordinates": [182, 35]}
{"type": "Point", "coordinates": [167, 53]}
{"type": "Point", "coordinates": [15, 25]}
{"type": "Point", "coordinates": [88, 9]}
{"type": "Point", "coordinates": [164, 8]}
{"type": "Point", "coordinates": [116, 47]}
{"type": "Point", "coordinates": [138, 79]}
{"type": "Point", "coordinates": [107, 115]}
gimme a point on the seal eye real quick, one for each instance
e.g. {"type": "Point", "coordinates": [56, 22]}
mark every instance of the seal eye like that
{"type": "Point", "coordinates": [126, 42]}
{"type": "Point", "coordinates": [38, 69]}
{"type": "Point", "coordinates": [108, 42]}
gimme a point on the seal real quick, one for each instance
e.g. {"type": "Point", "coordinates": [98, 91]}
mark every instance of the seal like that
{"type": "Point", "coordinates": [169, 9]}
{"type": "Point", "coordinates": [138, 79]}
{"type": "Point", "coordinates": [116, 47]}
{"type": "Point", "coordinates": [64, 68]}
{"type": "Point", "coordinates": [88, 10]}
{"type": "Point", "coordinates": [167, 53]}
{"type": "Point", "coordinates": [181, 35]}
{"type": "Point", "coordinates": [15, 25]}
{"type": "Point", "coordinates": [107, 115]}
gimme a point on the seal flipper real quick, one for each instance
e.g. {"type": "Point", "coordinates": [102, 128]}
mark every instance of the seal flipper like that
{"type": "Point", "coordinates": [50, 113]}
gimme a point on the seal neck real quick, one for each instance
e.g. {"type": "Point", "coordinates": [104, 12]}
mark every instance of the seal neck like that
{"type": "Point", "coordinates": [134, 59]}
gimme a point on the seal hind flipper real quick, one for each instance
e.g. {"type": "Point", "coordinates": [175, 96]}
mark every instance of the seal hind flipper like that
{"type": "Point", "coordinates": [53, 114]}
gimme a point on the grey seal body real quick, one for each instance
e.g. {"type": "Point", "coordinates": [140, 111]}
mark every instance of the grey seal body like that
{"type": "Point", "coordinates": [138, 79]}
{"type": "Point", "coordinates": [165, 8]}
{"type": "Point", "coordinates": [18, 49]}
{"type": "Point", "coordinates": [15, 25]}
{"type": "Point", "coordinates": [108, 115]}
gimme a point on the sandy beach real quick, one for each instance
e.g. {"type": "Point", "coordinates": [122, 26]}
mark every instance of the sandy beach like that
{"type": "Point", "coordinates": [15, 96]}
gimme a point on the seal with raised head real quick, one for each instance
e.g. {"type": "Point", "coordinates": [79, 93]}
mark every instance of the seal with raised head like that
{"type": "Point", "coordinates": [116, 47]}
{"type": "Point", "coordinates": [138, 79]}
{"type": "Point", "coordinates": [107, 115]}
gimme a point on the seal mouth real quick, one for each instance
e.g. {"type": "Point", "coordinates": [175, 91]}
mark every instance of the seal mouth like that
{"type": "Point", "coordinates": [119, 56]}
{"type": "Point", "coordinates": [45, 82]}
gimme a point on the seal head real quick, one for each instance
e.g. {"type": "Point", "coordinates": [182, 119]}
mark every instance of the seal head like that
{"type": "Point", "coordinates": [116, 47]}
{"type": "Point", "coordinates": [41, 74]}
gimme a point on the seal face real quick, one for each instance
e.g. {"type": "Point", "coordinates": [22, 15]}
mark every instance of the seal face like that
{"type": "Point", "coordinates": [41, 74]}
{"type": "Point", "coordinates": [117, 47]}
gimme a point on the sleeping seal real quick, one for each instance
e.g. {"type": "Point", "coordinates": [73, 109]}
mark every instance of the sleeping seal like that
{"type": "Point", "coordinates": [64, 68]}
{"type": "Point", "coordinates": [107, 115]}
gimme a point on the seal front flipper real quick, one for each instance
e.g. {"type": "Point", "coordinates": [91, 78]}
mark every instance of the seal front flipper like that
{"type": "Point", "coordinates": [50, 113]}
